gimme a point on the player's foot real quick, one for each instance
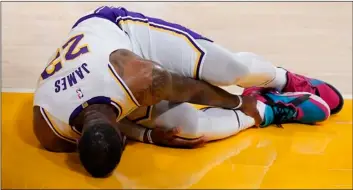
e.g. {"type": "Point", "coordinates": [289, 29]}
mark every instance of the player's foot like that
{"type": "Point", "coordinates": [301, 107]}
{"type": "Point", "coordinates": [300, 83]}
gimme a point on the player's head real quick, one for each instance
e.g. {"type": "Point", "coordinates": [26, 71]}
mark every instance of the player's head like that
{"type": "Point", "coordinates": [100, 147]}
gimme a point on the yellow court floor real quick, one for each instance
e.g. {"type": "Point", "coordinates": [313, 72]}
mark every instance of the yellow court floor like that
{"type": "Point", "coordinates": [296, 156]}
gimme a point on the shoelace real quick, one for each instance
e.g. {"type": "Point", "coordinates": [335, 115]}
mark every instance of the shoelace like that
{"type": "Point", "coordinates": [283, 113]}
{"type": "Point", "coordinates": [304, 81]}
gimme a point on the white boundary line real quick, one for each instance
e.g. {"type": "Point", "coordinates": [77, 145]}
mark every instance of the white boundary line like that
{"type": "Point", "coordinates": [18, 90]}
{"type": "Point", "coordinates": [30, 90]}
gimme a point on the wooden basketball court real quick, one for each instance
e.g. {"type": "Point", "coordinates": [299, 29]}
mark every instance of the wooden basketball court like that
{"type": "Point", "coordinates": [309, 38]}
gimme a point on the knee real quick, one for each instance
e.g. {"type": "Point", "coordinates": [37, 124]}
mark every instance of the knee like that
{"type": "Point", "coordinates": [244, 69]}
{"type": "Point", "coordinates": [184, 116]}
{"type": "Point", "coordinates": [191, 128]}
{"type": "Point", "coordinates": [226, 73]}
{"type": "Point", "coordinates": [220, 66]}
{"type": "Point", "coordinates": [256, 72]}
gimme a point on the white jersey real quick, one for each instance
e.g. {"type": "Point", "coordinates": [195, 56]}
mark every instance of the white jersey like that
{"type": "Point", "coordinates": [80, 73]}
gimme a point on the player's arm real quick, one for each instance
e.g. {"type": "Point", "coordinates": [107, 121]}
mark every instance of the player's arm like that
{"type": "Point", "coordinates": [159, 136]}
{"type": "Point", "coordinates": [150, 83]}
{"type": "Point", "coordinates": [46, 136]}
{"type": "Point", "coordinates": [131, 130]}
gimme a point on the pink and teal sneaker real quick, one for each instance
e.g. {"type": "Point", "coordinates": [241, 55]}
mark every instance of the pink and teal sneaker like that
{"type": "Point", "coordinates": [296, 107]}
{"type": "Point", "coordinates": [300, 83]}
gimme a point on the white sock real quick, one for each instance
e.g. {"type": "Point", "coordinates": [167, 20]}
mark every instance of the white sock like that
{"type": "Point", "coordinates": [261, 108]}
{"type": "Point", "coordinates": [280, 80]}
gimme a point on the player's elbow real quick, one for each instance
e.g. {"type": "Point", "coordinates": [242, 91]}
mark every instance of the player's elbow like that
{"type": "Point", "coordinates": [174, 87]}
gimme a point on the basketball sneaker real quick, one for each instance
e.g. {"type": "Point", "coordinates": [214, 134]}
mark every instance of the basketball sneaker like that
{"type": "Point", "coordinates": [300, 83]}
{"type": "Point", "coordinates": [292, 107]}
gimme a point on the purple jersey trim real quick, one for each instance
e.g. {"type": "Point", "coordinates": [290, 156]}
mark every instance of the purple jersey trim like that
{"type": "Point", "coordinates": [115, 14]}
{"type": "Point", "coordinates": [94, 100]}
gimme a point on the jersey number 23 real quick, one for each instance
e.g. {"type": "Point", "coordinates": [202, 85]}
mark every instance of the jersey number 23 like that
{"type": "Point", "coordinates": [71, 50]}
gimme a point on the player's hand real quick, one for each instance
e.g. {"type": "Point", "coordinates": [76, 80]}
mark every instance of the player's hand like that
{"type": "Point", "coordinates": [167, 137]}
{"type": "Point", "coordinates": [249, 107]}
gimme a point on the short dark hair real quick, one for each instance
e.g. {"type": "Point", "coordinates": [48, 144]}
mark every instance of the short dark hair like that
{"type": "Point", "coordinates": [100, 148]}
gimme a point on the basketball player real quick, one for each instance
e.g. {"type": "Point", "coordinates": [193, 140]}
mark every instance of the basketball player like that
{"type": "Point", "coordinates": [243, 69]}
{"type": "Point", "coordinates": [115, 61]}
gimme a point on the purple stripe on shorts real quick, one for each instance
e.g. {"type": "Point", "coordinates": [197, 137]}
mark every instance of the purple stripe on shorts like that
{"type": "Point", "coordinates": [177, 26]}
{"type": "Point", "coordinates": [113, 14]}
{"type": "Point", "coordinates": [190, 37]}
{"type": "Point", "coordinates": [135, 15]}
{"type": "Point", "coordinates": [193, 43]}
